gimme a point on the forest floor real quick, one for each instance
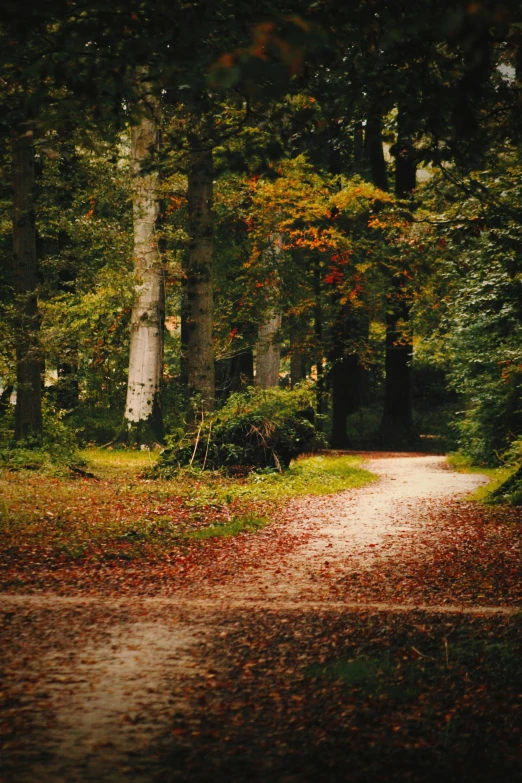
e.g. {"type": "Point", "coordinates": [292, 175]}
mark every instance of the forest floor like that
{"type": "Point", "coordinates": [373, 634]}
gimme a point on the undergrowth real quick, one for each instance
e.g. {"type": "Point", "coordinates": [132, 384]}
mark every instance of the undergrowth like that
{"type": "Point", "coordinates": [497, 478]}
{"type": "Point", "coordinates": [54, 452]}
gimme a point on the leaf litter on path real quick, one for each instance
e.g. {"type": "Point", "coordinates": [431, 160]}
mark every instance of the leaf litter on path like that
{"type": "Point", "coordinates": [224, 690]}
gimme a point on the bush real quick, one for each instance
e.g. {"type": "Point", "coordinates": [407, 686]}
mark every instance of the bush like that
{"type": "Point", "coordinates": [56, 451]}
{"type": "Point", "coordinates": [510, 491]}
{"type": "Point", "coordinates": [260, 428]}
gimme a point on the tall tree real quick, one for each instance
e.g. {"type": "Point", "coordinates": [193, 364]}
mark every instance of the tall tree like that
{"type": "Point", "coordinates": [198, 273]}
{"type": "Point", "coordinates": [28, 411]}
{"type": "Point", "coordinates": [397, 418]}
{"type": "Point", "coordinates": [268, 351]}
{"type": "Point", "coordinates": [143, 416]}
{"type": "Point", "coordinates": [268, 346]}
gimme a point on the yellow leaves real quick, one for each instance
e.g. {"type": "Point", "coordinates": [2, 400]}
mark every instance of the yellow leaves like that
{"type": "Point", "coordinates": [310, 213]}
{"type": "Point", "coordinates": [358, 197]}
{"type": "Point", "coordinates": [311, 238]}
{"type": "Point", "coordinates": [374, 222]}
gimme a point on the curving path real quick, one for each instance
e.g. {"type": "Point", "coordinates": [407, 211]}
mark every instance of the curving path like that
{"type": "Point", "coordinates": [96, 703]}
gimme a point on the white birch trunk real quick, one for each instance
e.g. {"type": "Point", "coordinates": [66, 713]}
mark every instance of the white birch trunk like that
{"type": "Point", "coordinates": [142, 410]}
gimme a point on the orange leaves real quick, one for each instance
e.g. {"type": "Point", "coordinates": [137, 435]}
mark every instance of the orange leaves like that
{"type": "Point", "coordinates": [90, 213]}
{"type": "Point", "coordinates": [283, 43]}
{"type": "Point", "coordinates": [225, 61]}
{"type": "Point", "coordinates": [311, 238]}
{"type": "Point", "coordinates": [375, 222]}
{"type": "Point", "coordinates": [175, 202]}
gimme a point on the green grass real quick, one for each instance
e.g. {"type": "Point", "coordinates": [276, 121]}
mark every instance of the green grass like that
{"type": "Point", "coordinates": [125, 514]}
{"type": "Point", "coordinates": [402, 674]}
{"type": "Point", "coordinates": [249, 523]}
{"type": "Point", "coordinates": [316, 475]}
{"type": "Point", "coordinates": [107, 463]}
{"type": "Point", "coordinates": [495, 476]}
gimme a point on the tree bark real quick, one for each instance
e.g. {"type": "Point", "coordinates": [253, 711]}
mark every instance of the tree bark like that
{"type": "Point", "coordinates": [347, 379]}
{"type": "Point", "coordinates": [397, 420]}
{"type": "Point", "coordinates": [268, 346]}
{"type": "Point", "coordinates": [268, 352]}
{"type": "Point", "coordinates": [143, 415]}
{"type": "Point", "coordinates": [375, 152]}
{"type": "Point", "coordinates": [234, 373]}
{"type": "Point", "coordinates": [5, 399]}
{"type": "Point", "coordinates": [297, 358]}
{"type": "Point", "coordinates": [242, 370]}
{"type": "Point", "coordinates": [347, 375]}
{"type": "Point", "coordinates": [28, 410]}
{"type": "Point", "coordinates": [318, 331]}
{"type": "Point", "coordinates": [198, 277]}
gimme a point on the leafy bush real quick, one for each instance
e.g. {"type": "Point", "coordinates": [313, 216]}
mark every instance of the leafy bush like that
{"type": "Point", "coordinates": [256, 429]}
{"type": "Point", "coordinates": [54, 452]}
{"type": "Point", "coordinates": [510, 491]}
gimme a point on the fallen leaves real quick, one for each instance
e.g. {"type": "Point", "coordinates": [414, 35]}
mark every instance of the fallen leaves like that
{"type": "Point", "coordinates": [266, 693]}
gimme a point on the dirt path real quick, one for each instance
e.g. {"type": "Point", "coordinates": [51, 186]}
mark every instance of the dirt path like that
{"type": "Point", "coordinates": [116, 690]}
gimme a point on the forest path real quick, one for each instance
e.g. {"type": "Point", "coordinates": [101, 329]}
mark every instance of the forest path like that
{"type": "Point", "coordinates": [115, 689]}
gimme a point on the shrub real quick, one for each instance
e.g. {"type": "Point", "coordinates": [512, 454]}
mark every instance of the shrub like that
{"type": "Point", "coordinates": [256, 429]}
{"type": "Point", "coordinates": [56, 451]}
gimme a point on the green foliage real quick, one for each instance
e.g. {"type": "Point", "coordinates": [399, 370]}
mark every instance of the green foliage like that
{"type": "Point", "coordinates": [316, 475]}
{"type": "Point", "coordinates": [477, 295]}
{"type": "Point", "coordinates": [248, 523]}
{"type": "Point", "coordinates": [261, 428]}
{"type": "Point", "coordinates": [497, 477]}
{"type": "Point", "coordinates": [55, 453]}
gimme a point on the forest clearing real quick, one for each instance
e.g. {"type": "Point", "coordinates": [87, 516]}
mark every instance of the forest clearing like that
{"type": "Point", "coordinates": [260, 391]}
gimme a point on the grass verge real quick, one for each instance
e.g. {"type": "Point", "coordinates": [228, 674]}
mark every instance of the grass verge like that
{"type": "Point", "coordinates": [495, 476]}
{"type": "Point", "coordinates": [120, 514]}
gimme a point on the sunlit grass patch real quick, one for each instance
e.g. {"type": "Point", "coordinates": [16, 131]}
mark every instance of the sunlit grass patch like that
{"type": "Point", "coordinates": [121, 514]}
{"type": "Point", "coordinates": [248, 523]}
{"type": "Point", "coordinates": [317, 475]}
{"type": "Point", "coordinates": [495, 476]}
{"type": "Point", "coordinates": [118, 461]}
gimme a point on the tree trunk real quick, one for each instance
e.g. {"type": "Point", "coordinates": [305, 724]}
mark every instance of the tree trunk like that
{"type": "Point", "coordinates": [143, 415]}
{"type": "Point", "coordinates": [347, 375]}
{"type": "Point", "coordinates": [358, 150]}
{"type": "Point", "coordinates": [67, 387]}
{"type": "Point", "coordinates": [198, 277]}
{"type": "Point", "coordinates": [268, 344]}
{"type": "Point", "coordinates": [405, 157]}
{"type": "Point", "coordinates": [397, 420]}
{"type": "Point", "coordinates": [5, 399]}
{"type": "Point", "coordinates": [318, 331]}
{"type": "Point", "coordinates": [297, 358]}
{"type": "Point", "coordinates": [28, 410]}
{"type": "Point", "coordinates": [375, 152]}
{"type": "Point", "coordinates": [268, 352]}
{"type": "Point", "coordinates": [242, 370]}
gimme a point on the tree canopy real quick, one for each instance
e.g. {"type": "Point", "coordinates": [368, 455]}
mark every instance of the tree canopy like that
{"type": "Point", "coordinates": [337, 187]}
